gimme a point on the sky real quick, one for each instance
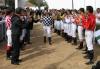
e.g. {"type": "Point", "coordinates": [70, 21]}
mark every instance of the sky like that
{"type": "Point", "coordinates": [67, 4]}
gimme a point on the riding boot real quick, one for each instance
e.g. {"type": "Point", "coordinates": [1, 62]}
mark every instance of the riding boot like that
{"type": "Point", "coordinates": [66, 37]}
{"type": "Point", "coordinates": [44, 39]}
{"type": "Point", "coordinates": [91, 57]}
{"type": "Point", "coordinates": [49, 39]}
{"type": "Point", "coordinates": [58, 32]}
{"type": "Point", "coordinates": [22, 45]}
{"type": "Point", "coordinates": [81, 45]}
{"type": "Point", "coordinates": [74, 41]}
{"type": "Point", "coordinates": [70, 39]}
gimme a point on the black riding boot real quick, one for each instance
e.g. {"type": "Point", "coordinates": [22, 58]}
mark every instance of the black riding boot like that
{"type": "Point", "coordinates": [58, 32]}
{"type": "Point", "coordinates": [91, 57]}
{"type": "Point", "coordinates": [22, 46]}
{"type": "Point", "coordinates": [81, 45]}
{"type": "Point", "coordinates": [70, 39]}
{"type": "Point", "coordinates": [44, 39]}
{"type": "Point", "coordinates": [49, 39]}
{"type": "Point", "coordinates": [74, 41]}
{"type": "Point", "coordinates": [66, 37]}
{"type": "Point", "coordinates": [55, 30]}
{"type": "Point", "coordinates": [63, 34]}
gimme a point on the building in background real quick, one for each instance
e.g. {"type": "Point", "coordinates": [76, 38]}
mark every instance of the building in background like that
{"type": "Point", "coordinates": [15, 3]}
{"type": "Point", "coordinates": [2, 2]}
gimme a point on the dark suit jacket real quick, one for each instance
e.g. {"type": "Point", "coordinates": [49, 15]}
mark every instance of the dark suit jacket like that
{"type": "Point", "coordinates": [16, 25]}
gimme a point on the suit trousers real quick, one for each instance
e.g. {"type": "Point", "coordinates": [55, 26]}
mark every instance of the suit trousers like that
{"type": "Point", "coordinates": [16, 48]}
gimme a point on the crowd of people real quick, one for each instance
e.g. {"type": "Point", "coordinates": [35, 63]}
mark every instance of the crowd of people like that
{"type": "Point", "coordinates": [18, 25]}
{"type": "Point", "coordinates": [75, 26]}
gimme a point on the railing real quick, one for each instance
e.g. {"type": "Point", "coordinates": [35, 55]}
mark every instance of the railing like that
{"type": "Point", "coordinates": [2, 30]}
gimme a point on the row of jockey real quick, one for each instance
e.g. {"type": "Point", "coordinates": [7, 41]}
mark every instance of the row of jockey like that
{"type": "Point", "coordinates": [78, 23]}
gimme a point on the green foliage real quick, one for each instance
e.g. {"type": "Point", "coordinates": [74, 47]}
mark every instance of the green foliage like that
{"type": "Point", "coordinates": [38, 3]}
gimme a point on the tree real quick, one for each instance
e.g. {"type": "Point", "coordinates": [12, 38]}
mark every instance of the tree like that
{"type": "Point", "coordinates": [10, 3]}
{"type": "Point", "coordinates": [39, 3]}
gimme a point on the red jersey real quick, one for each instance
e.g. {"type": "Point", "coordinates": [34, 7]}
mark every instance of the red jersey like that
{"type": "Point", "coordinates": [89, 22]}
{"type": "Point", "coordinates": [80, 20]}
{"type": "Point", "coordinates": [83, 20]}
{"type": "Point", "coordinates": [77, 20]}
{"type": "Point", "coordinates": [8, 22]}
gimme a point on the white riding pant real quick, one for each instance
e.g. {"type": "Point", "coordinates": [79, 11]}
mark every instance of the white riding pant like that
{"type": "Point", "coordinates": [74, 27]}
{"type": "Point", "coordinates": [62, 25]}
{"type": "Point", "coordinates": [9, 37]}
{"type": "Point", "coordinates": [69, 29]}
{"type": "Point", "coordinates": [80, 33]}
{"type": "Point", "coordinates": [65, 28]}
{"type": "Point", "coordinates": [55, 24]}
{"type": "Point", "coordinates": [47, 31]}
{"type": "Point", "coordinates": [89, 39]}
{"type": "Point", "coordinates": [58, 24]}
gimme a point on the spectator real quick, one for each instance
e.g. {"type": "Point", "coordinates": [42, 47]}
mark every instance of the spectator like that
{"type": "Point", "coordinates": [16, 33]}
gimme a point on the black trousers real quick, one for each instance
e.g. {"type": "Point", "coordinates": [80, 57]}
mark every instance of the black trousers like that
{"type": "Point", "coordinates": [27, 36]}
{"type": "Point", "coordinates": [16, 48]}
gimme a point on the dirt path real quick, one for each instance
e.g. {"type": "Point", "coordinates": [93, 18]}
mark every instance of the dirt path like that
{"type": "Point", "coordinates": [38, 55]}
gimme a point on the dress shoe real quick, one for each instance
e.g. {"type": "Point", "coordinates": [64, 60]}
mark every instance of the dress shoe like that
{"type": "Point", "coordinates": [19, 60]}
{"type": "Point", "coordinates": [15, 63]}
{"type": "Point", "coordinates": [8, 58]}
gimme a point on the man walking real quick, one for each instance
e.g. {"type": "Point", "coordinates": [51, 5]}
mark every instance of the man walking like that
{"type": "Point", "coordinates": [47, 24]}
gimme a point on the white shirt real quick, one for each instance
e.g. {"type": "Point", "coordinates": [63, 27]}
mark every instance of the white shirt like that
{"type": "Point", "coordinates": [97, 20]}
{"type": "Point", "coordinates": [67, 20]}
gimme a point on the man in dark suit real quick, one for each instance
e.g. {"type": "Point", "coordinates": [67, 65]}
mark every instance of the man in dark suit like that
{"type": "Point", "coordinates": [16, 32]}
